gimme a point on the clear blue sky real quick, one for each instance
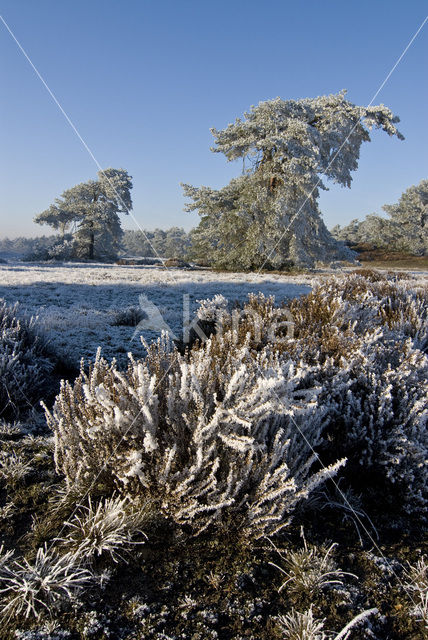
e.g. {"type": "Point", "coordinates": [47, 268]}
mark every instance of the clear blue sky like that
{"type": "Point", "coordinates": [143, 81]}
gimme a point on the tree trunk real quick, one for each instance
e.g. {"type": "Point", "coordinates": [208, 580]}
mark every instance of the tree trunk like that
{"type": "Point", "coordinates": [91, 243]}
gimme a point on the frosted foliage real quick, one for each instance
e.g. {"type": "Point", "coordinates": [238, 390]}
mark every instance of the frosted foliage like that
{"type": "Point", "coordinates": [105, 528]}
{"type": "Point", "coordinates": [168, 243]}
{"type": "Point", "coordinates": [384, 409]}
{"type": "Point", "coordinates": [406, 229]}
{"type": "Point", "coordinates": [203, 437]}
{"type": "Point", "coordinates": [23, 364]}
{"type": "Point", "coordinates": [29, 589]}
{"type": "Point", "coordinates": [227, 431]}
{"type": "Point", "coordinates": [304, 626]}
{"type": "Point", "coordinates": [410, 215]}
{"type": "Point", "coordinates": [375, 377]}
{"type": "Point", "coordinates": [269, 216]}
{"type": "Point", "coordinates": [90, 211]}
{"type": "Point", "coordinates": [212, 309]}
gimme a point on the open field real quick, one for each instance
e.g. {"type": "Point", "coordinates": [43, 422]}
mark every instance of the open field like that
{"type": "Point", "coordinates": [77, 303]}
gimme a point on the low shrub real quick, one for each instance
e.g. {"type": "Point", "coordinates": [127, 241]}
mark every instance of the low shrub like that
{"type": "Point", "coordinates": [365, 336]}
{"type": "Point", "coordinates": [231, 430]}
{"type": "Point", "coordinates": [25, 364]}
{"type": "Point", "coordinates": [128, 317]}
{"type": "Point", "coordinates": [368, 336]}
{"type": "Point", "coordinates": [203, 437]}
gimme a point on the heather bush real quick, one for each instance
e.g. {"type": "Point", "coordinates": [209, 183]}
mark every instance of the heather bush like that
{"type": "Point", "coordinates": [24, 363]}
{"type": "Point", "coordinates": [128, 317]}
{"type": "Point", "coordinates": [230, 430]}
{"type": "Point", "coordinates": [356, 304]}
{"type": "Point", "coordinates": [217, 435]}
{"type": "Point", "coordinates": [365, 336]}
{"type": "Point", "coordinates": [368, 334]}
{"type": "Point", "coordinates": [378, 417]}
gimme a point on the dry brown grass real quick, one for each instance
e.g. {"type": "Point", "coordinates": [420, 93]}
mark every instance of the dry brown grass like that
{"type": "Point", "coordinates": [370, 257]}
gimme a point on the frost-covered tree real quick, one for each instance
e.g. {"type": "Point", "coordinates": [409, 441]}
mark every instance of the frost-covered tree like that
{"type": "Point", "coordinates": [405, 230]}
{"type": "Point", "coordinates": [410, 214]}
{"type": "Point", "coordinates": [137, 243]}
{"type": "Point", "coordinates": [269, 216]}
{"type": "Point", "coordinates": [90, 210]}
{"type": "Point", "coordinates": [374, 230]}
{"type": "Point", "coordinates": [349, 234]}
{"type": "Point", "coordinates": [176, 243]}
{"type": "Point", "coordinates": [171, 243]}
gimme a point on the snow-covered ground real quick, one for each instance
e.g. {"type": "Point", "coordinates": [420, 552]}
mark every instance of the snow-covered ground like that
{"type": "Point", "coordinates": [77, 303]}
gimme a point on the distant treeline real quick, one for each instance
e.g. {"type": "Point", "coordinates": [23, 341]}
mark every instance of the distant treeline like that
{"type": "Point", "coordinates": [169, 243]}
{"type": "Point", "coordinates": [27, 246]}
{"type": "Point", "coordinates": [406, 229]}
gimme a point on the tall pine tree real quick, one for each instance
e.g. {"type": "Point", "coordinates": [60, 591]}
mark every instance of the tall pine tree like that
{"type": "Point", "coordinates": [90, 210]}
{"type": "Point", "coordinates": [269, 216]}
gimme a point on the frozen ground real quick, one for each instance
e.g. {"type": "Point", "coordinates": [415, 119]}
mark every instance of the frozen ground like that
{"type": "Point", "coordinates": [77, 303]}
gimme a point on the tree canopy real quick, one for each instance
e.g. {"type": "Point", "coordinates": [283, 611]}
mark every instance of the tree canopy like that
{"type": "Point", "coordinates": [169, 243]}
{"type": "Point", "coordinates": [406, 229]}
{"type": "Point", "coordinates": [410, 215]}
{"type": "Point", "coordinates": [269, 215]}
{"type": "Point", "coordinates": [90, 210]}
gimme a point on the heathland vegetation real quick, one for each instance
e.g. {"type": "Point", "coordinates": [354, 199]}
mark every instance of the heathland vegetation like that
{"type": "Point", "coordinates": [267, 480]}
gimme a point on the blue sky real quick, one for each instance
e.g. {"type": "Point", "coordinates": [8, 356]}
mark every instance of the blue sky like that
{"type": "Point", "coordinates": [143, 81]}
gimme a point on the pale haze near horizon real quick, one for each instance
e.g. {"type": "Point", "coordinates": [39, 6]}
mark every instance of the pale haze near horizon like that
{"type": "Point", "coordinates": [143, 84]}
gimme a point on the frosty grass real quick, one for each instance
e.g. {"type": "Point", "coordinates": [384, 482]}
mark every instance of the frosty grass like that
{"type": "Point", "coordinates": [76, 304]}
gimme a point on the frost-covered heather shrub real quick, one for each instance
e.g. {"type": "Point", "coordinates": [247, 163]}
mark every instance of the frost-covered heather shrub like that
{"type": "Point", "coordinates": [259, 323]}
{"type": "Point", "coordinates": [24, 364]}
{"type": "Point", "coordinates": [226, 430]}
{"type": "Point", "coordinates": [356, 304]}
{"type": "Point", "coordinates": [368, 338]}
{"type": "Point", "coordinates": [212, 308]}
{"type": "Point", "coordinates": [128, 317]}
{"type": "Point", "coordinates": [378, 413]}
{"type": "Point", "coordinates": [365, 336]}
{"type": "Point", "coordinates": [107, 528]}
{"type": "Point", "coordinates": [204, 437]}
{"type": "Point", "coordinates": [29, 589]}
